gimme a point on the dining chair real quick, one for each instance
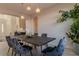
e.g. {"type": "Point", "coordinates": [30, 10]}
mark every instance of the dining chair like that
{"type": "Point", "coordinates": [55, 51]}
{"type": "Point", "coordinates": [8, 39]}
{"type": "Point", "coordinates": [25, 46]}
{"type": "Point", "coordinates": [19, 49]}
{"type": "Point", "coordinates": [44, 35]}
{"type": "Point", "coordinates": [35, 34]}
{"type": "Point", "coordinates": [16, 33]}
{"type": "Point", "coordinates": [22, 33]}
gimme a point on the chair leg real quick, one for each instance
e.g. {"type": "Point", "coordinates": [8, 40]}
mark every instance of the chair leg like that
{"type": "Point", "coordinates": [20, 54]}
{"type": "Point", "coordinates": [45, 54]}
{"type": "Point", "coordinates": [12, 52]}
{"type": "Point", "coordinates": [8, 50]}
{"type": "Point", "coordinates": [41, 48]}
{"type": "Point", "coordinates": [31, 53]}
{"type": "Point", "coordinates": [46, 45]}
{"type": "Point", "coordinates": [15, 54]}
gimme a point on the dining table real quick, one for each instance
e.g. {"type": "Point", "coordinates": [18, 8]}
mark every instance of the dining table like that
{"type": "Point", "coordinates": [35, 40]}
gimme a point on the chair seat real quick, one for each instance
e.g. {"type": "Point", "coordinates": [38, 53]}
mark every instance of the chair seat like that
{"type": "Point", "coordinates": [27, 47]}
{"type": "Point", "coordinates": [19, 40]}
{"type": "Point", "coordinates": [48, 49]}
{"type": "Point", "coordinates": [21, 43]}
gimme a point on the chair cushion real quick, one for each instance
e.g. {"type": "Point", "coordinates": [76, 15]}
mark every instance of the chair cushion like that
{"type": "Point", "coordinates": [48, 49]}
{"type": "Point", "coordinates": [27, 47]}
{"type": "Point", "coordinates": [19, 40]}
{"type": "Point", "coordinates": [21, 43]}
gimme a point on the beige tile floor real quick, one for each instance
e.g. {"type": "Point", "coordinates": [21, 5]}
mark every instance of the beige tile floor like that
{"type": "Point", "coordinates": [69, 51]}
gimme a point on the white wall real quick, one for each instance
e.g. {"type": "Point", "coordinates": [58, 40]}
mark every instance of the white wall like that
{"type": "Point", "coordinates": [29, 25]}
{"type": "Point", "coordinates": [10, 24]}
{"type": "Point", "coordinates": [47, 22]}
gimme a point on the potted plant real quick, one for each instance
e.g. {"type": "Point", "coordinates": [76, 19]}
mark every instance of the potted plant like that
{"type": "Point", "coordinates": [74, 30]}
{"type": "Point", "coordinates": [75, 35]}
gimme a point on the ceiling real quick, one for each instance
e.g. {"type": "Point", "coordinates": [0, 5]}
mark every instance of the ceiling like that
{"type": "Point", "coordinates": [21, 7]}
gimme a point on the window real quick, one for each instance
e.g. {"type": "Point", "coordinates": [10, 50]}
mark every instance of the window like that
{"type": "Point", "coordinates": [2, 28]}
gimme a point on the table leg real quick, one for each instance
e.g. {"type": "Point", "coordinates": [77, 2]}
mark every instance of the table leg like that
{"type": "Point", "coordinates": [41, 48]}
{"type": "Point", "coordinates": [35, 51]}
{"type": "Point", "coordinates": [46, 45]}
{"type": "Point", "coordinates": [35, 48]}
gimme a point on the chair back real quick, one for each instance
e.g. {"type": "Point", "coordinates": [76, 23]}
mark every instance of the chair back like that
{"type": "Point", "coordinates": [44, 35]}
{"type": "Point", "coordinates": [14, 41]}
{"type": "Point", "coordinates": [61, 46]}
{"type": "Point", "coordinates": [16, 33]}
{"type": "Point", "coordinates": [35, 34]}
{"type": "Point", "coordinates": [20, 49]}
{"type": "Point", "coordinates": [8, 39]}
{"type": "Point", "coordinates": [22, 33]}
{"type": "Point", "coordinates": [17, 47]}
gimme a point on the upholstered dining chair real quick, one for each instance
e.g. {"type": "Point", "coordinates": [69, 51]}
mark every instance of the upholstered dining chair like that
{"type": "Point", "coordinates": [19, 49]}
{"type": "Point", "coordinates": [44, 35]}
{"type": "Point", "coordinates": [55, 51]}
{"type": "Point", "coordinates": [8, 39]}
{"type": "Point", "coordinates": [35, 34]}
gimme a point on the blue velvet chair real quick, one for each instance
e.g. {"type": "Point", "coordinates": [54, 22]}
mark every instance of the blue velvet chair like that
{"type": "Point", "coordinates": [55, 51]}
{"type": "Point", "coordinates": [8, 39]}
{"type": "Point", "coordinates": [44, 35]}
{"type": "Point", "coordinates": [35, 34]}
{"type": "Point", "coordinates": [19, 49]}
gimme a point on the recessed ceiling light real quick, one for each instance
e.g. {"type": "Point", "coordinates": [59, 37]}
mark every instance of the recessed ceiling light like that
{"type": "Point", "coordinates": [22, 17]}
{"type": "Point", "coordinates": [28, 8]}
{"type": "Point", "coordinates": [37, 10]}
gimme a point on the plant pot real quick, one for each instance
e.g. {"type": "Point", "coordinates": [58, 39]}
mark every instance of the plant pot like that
{"type": "Point", "coordinates": [76, 47]}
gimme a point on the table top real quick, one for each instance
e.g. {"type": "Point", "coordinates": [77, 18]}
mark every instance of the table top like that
{"type": "Point", "coordinates": [36, 40]}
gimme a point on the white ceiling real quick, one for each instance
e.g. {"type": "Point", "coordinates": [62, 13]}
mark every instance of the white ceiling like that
{"type": "Point", "coordinates": [21, 7]}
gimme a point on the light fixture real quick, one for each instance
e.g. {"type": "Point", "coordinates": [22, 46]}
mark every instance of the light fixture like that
{"type": "Point", "coordinates": [28, 8]}
{"type": "Point", "coordinates": [37, 10]}
{"type": "Point", "coordinates": [22, 17]}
